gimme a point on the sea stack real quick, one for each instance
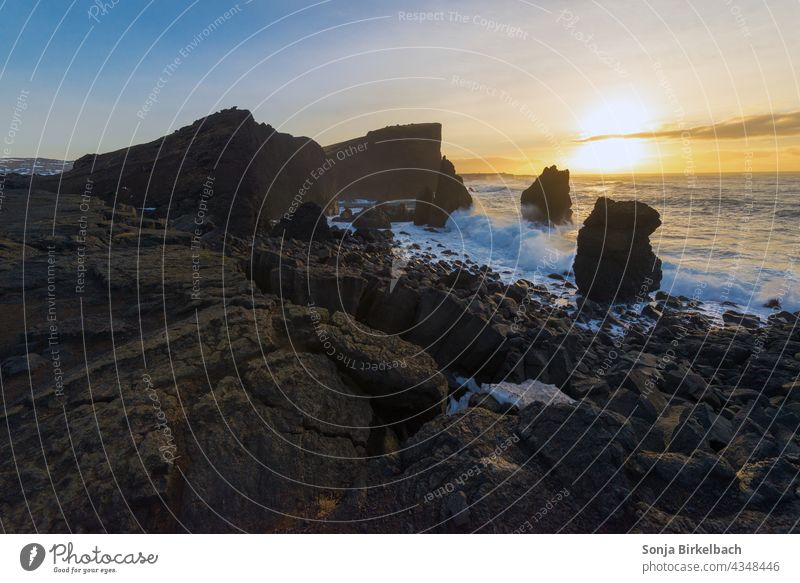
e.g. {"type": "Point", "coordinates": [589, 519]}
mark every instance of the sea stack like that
{"type": "Point", "coordinates": [547, 200]}
{"type": "Point", "coordinates": [451, 195]}
{"type": "Point", "coordinates": [615, 262]}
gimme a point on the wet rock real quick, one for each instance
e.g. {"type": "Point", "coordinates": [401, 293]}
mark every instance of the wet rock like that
{"type": "Point", "coordinates": [372, 218]}
{"type": "Point", "coordinates": [615, 261]}
{"type": "Point", "coordinates": [547, 199]}
{"type": "Point", "coordinates": [465, 280]}
{"type": "Point", "coordinates": [749, 321]}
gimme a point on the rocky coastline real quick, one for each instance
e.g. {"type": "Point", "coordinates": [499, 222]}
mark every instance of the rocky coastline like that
{"type": "Point", "coordinates": [164, 376]}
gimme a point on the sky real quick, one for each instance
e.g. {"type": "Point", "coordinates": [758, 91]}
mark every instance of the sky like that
{"type": "Point", "coordinates": [598, 87]}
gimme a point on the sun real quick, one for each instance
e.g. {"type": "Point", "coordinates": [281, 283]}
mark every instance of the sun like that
{"type": "Point", "coordinates": [607, 153]}
{"type": "Point", "coordinates": [613, 155]}
{"type": "Point", "coordinates": [616, 117]}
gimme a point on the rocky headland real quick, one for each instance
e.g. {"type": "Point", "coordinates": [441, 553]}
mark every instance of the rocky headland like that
{"type": "Point", "coordinates": [225, 170]}
{"type": "Point", "coordinates": [395, 162]}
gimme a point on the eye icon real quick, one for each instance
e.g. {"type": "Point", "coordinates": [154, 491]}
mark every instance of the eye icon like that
{"type": "Point", "coordinates": [31, 556]}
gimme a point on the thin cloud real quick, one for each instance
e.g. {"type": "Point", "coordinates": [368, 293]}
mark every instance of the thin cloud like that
{"type": "Point", "coordinates": [765, 124]}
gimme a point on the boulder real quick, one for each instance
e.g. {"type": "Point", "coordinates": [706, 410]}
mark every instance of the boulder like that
{"type": "Point", "coordinates": [547, 200]}
{"type": "Point", "coordinates": [403, 379]}
{"type": "Point", "coordinates": [583, 445]}
{"type": "Point", "coordinates": [614, 261]}
{"type": "Point", "coordinates": [345, 216]}
{"type": "Point", "coordinates": [25, 363]}
{"type": "Point", "coordinates": [307, 223]}
{"type": "Point", "coordinates": [749, 321]}
{"type": "Point", "coordinates": [372, 218]}
{"type": "Point", "coordinates": [770, 481]}
{"type": "Point", "coordinates": [399, 212]}
{"type": "Point", "coordinates": [674, 480]}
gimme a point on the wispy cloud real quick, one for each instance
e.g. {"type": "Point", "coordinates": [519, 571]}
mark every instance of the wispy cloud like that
{"type": "Point", "coordinates": [765, 124]}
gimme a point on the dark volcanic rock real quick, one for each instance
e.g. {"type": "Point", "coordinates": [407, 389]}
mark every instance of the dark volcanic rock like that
{"type": "Point", "coordinates": [585, 446]}
{"type": "Point", "coordinates": [749, 321]}
{"type": "Point", "coordinates": [451, 195]}
{"type": "Point", "coordinates": [422, 210]}
{"type": "Point", "coordinates": [402, 376]}
{"type": "Point", "coordinates": [248, 403]}
{"type": "Point", "coordinates": [307, 223]}
{"type": "Point", "coordinates": [547, 199]}
{"type": "Point", "coordinates": [372, 218]}
{"type": "Point", "coordinates": [615, 261]}
{"type": "Point", "coordinates": [392, 163]}
{"type": "Point", "coordinates": [224, 163]}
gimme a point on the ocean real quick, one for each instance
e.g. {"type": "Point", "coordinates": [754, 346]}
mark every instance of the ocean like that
{"type": "Point", "coordinates": [730, 241]}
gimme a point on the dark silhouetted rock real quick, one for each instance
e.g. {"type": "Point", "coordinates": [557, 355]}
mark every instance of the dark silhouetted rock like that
{"type": "Point", "coordinates": [223, 164]}
{"type": "Point", "coordinates": [391, 163]}
{"type": "Point", "coordinates": [400, 211]}
{"type": "Point", "coordinates": [615, 261]}
{"type": "Point", "coordinates": [307, 223]}
{"type": "Point", "coordinates": [749, 321]}
{"type": "Point", "coordinates": [451, 195]}
{"type": "Point", "coordinates": [372, 218]}
{"type": "Point", "coordinates": [422, 210]}
{"type": "Point", "coordinates": [547, 200]}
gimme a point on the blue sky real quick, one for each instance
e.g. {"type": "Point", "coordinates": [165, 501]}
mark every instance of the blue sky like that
{"type": "Point", "coordinates": [511, 80]}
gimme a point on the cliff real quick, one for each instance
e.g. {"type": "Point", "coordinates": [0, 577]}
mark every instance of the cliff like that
{"type": "Point", "coordinates": [395, 162]}
{"type": "Point", "coordinates": [223, 163]}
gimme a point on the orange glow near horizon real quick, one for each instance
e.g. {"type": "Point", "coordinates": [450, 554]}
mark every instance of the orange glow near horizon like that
{"type": "Point", "coordinates": [614, 117]}
{"type": "Point", "coordinates": [613, 155]}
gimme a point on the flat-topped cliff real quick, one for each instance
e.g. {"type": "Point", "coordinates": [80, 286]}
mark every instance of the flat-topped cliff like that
{"type": "Point", "coordinates": [395, 162]}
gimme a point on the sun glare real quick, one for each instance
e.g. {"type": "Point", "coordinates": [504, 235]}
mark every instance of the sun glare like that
{"type": "Point", "coordinates": [613, 118]}
{"type": "Point", "coordinates": [613, 155]}
{"type": "Point", "coordinates": [616, 116]}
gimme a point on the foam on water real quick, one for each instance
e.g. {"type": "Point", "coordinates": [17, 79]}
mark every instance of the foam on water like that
{"type": "Point", "coordinates": [507, 393]}
{"type": "Point", "coordinates": [723, 240]}
{"type": "Point", "coordinates": [514, 248]}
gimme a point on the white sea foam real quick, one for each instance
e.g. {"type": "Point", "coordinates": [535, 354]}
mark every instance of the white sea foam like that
{"type": "Point", "coordinates": [713, 247]}
{"type": "Point", "coordinates": [505, 393]}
